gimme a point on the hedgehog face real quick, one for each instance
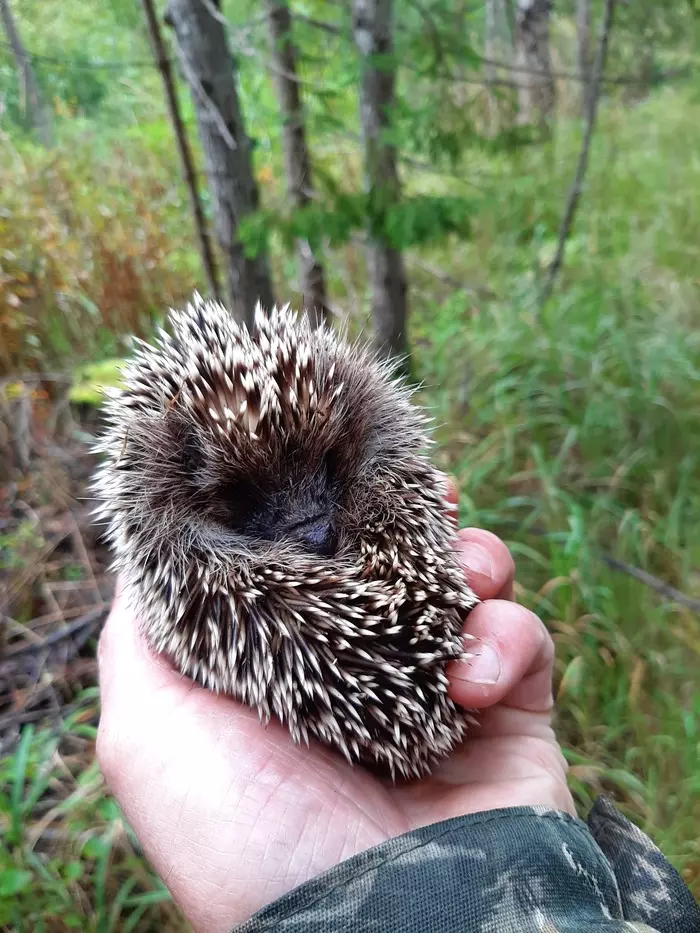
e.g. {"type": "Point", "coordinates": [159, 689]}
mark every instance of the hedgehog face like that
{"type": "Point", "coordinates": [300, 510]}
{"type": "Point", "coordinates": [272, 508]}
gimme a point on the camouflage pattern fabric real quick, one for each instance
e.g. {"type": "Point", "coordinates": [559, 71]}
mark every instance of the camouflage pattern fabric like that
{"type": "Point", "coordinates": [519, 870]}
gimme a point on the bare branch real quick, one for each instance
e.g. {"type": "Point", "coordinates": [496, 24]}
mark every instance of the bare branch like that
{"type": "Point", "coordinates": [38, 113]}
{"type": "Point", "coordinates": [583, 51]}
{"type": "Point", "coordinates": [577, 184]}
{"type": "Point", "coordinates": [208, 103]}
{"type": "Point", "coordinates": [330, 28]}
{"type": "Point", "coordinates": [615, 563]}
{"type": "Point", "coordinates": [88, 621]}
{"type": "Point", "coordinates": [652, 582]}
{"type": "Point", "coordinates": [205, 247]}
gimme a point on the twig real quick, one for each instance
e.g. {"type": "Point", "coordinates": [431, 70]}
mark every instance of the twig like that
{"type": "Point", "coordinates": [82, 792]}
{"type": "Point", "coordinates": [32, 715]}
{"type": "Point", "coordinates": [208, 103]}
{"type": "Point", "coordinates": [163, 62]}
{"type": "Point", "coordinates": [50, 618]}
{"type": "Point", "coordinates": [89, 620]}
{"type": "Point", "coordinates": [214, 13]}
{"type": "Point", "coordinates": [33, 573]}
{"type": "Point", "coordinates": [577, 76]}
{"type": "Point", "coordinates": [330, 28]}
{"type": "Point", "coordinates": [643, 576]}
{"type": "Point", "coordinates": [593, 97]}
{"type": "Point", "coordinates": [48, 595]}
{"type": "Point", "coordinates": [653, 582]}
{"type": "Point", "coordinates": [24, 630]}
{"type": "Point", "coordinates": [79, 546]}
{"type": "Point", "coordinates": [57, 717]}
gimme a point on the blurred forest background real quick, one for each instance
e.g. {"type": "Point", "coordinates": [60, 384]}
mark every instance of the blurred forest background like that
{"type": "Point", "coordinates": [506, 191]}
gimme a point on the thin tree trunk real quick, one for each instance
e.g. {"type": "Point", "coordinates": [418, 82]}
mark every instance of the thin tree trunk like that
{"type": "Point", "coordinates": [577, 184]}
{"type": "Point", "coordinates": [490, 21]}
{"type": "Point", "coordinates": [583, 48]}
{"type": "Point", "coordinates": [498, 46]}
{"type": "Point", "coordinates": [38, 114]}
{"type": "Point", "coordinates": [210, 69]}
{"type": "Point", "coordinates": [536, 93]}
{"type": "Point", "coordinates": [372, 30]}
{"type": "Point", "coordinates": [510, 20]}
{"type": "Point", "coordinates": [297, 163]}
{"type": "Point", "coordinates": [206, 251]}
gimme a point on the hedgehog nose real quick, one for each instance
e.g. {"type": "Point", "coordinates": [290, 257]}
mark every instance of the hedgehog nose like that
{"type": "Point", "coordinates": [319, 536]}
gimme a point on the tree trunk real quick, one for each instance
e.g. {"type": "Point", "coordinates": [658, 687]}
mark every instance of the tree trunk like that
{"type": "Point", "coordinates": [210, 70]}
{"type": "Point", "coordinates": [372, 25]}
{"type": "Point", "coordinates": [583, 48]}
{"type": "Point", "coordinates": [297, 164]}
{"type": "Point", "coordinates": [205, 247]}
{"type": "Point", "coordinates": [510, 20]}
{"type": "Point", "coordinates": [490, 43]}
{"type": "Point", "coordinates": [37, 113]}
{"type": "Point", "coordinates": [498, 49]}
{"type": "Point", "coordinates": [536, 94]}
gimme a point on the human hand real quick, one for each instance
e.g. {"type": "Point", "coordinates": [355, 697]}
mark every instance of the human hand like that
{"type": "Point", "coordinates": [232, 815]}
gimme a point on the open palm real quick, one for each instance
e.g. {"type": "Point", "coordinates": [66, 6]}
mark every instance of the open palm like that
{"type": "Point", "coordinates": [233, 815]}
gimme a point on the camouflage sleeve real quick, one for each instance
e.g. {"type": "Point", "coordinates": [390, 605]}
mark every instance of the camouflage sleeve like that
{"type": "Point", "coordinates": [519, 870]}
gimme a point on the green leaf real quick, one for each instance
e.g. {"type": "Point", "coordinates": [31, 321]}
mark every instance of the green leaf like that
{"type": "Point", "coordinates": [95, 847]}
{"type": "Point", "coordinates": [90, 380]}
{"type": "Point", "coordinates": [72, 871]}
{"type": "Point", "coordinates": [18, 781]}
{"type": "Point", "coordinates": [13, 881]}
{"type": "Point", "coordinates": [573, 679]}
{"type": "Point", "coordinates": [73, 920]}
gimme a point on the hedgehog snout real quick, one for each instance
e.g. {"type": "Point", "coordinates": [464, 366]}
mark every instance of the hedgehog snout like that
{"type": "Point", "coordinates": [319, 535]}
{"type": "Point", "coordinates": [301, 512]}
{"type": "Point", "coordinates": [314, 529]}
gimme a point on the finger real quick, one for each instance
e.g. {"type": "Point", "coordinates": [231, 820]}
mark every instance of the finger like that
{"type": "Point", "coordinates": [512, 657]}
{"type": "Point", "coordinates": [487, 563]}
{"type": "Point", "coordinates": [451, 497]}
{"type": "Point", "coordinates": [452, 493]}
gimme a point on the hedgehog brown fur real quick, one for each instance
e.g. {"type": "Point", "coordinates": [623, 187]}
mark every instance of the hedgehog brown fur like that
{"type": "Point", "coordinates": [271, 505]}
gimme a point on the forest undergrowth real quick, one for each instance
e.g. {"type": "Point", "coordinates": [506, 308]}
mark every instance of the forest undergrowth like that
{"type": "Point", "coordinates": [573, 431]}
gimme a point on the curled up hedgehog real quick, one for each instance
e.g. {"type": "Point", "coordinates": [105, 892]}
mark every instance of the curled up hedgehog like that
{"type": "Point", "coordinates": [272, 508]}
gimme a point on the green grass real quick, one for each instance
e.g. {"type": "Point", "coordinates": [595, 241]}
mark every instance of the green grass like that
{"type": "Point", "coordinates": [573, 431]}
{"type": "Point", "coordinates": [67, 860]}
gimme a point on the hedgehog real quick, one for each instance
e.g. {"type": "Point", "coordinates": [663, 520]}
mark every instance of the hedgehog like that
{"type": "Point", "coordinates": [271, 506]}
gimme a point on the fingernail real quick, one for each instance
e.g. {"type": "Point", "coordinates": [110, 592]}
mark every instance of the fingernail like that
{"type": "Point", "coordinates": [482, 665]}
{"type": "Point", "coordinates": [476, 559]}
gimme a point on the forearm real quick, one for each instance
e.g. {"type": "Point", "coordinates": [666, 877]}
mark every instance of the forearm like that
{"type": "Point", "coordinates": [521, 869]}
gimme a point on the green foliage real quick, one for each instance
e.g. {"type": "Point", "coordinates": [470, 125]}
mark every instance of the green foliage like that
{"type": "Point", "coordinates": [91, 379]}
{"type": "Point", "coordinates": [413, 221]}
{"type": "Point", "coordinates": [573, 432]}
{"type": "Point", "coordinates": [91, 877]}
{"type": "Point", "coordinates": [93, 244]}
{"type": "Point", "coordinates": [63, 50]}
{"type": "Point", "coordinates": [76, 90]}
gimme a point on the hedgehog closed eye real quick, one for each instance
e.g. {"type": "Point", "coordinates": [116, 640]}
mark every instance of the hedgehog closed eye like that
{"type": "Point", "coordinates": [304, 517]}
{"type": "Point", "coordinates": [276, 515]}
